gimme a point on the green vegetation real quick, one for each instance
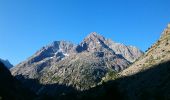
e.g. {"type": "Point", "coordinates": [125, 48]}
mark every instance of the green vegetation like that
{"type": "Point", "coordinates": [111, 75]}
{"type": "Point", "coordinates": [167, 43]}
{"type": "Point", "coordinates": [168, 51]}
{"type": "Point", "coordinates": [150, 60]}
{"type": "Point", "coordinates": [57, 78]}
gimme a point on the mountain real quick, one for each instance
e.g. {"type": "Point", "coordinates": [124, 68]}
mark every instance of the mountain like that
{"type": "Point", "coordinates": [147, 79]}
{"type": "Point", "coordinates": [81, 66]}
{"type": "Point", "coordinates": [10, 88]}
{"type": "Point", "coordinates": [7, 63]}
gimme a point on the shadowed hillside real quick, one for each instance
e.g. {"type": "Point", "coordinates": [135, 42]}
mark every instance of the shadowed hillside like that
{"type": "Point", "coordinates": [151, 84]}
{"type": "Point", "coordinates": [10, 88]}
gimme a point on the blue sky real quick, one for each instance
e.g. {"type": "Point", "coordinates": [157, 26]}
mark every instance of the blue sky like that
{"type": "Point", "coordinates": [27, 25]}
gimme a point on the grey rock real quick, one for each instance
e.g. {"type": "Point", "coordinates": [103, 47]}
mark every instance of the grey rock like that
{"type": "Point", "coordinates": [82, 66]}
{"type": "Point", "coordinates": [130, 53]}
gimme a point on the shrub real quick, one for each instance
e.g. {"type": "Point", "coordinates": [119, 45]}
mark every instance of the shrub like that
{"type": "Point", "coordinates": [111, 75]}
{"type": "Point", "coordinates": [166, 44]}
{"type": "Point", "coordinates": [56, 78]}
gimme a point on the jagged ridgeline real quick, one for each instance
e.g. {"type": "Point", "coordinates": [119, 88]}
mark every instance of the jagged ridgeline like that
{"type": "Point", "coordinates": [80, 66]}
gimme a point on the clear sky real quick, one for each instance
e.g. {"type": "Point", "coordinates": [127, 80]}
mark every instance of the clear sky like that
{"type": "Point", "coordinates": [27, 25]}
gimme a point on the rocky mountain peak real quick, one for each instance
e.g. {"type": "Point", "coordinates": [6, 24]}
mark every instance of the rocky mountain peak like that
{"type": "Point", "coordinates": [93, 34]}
{"type": "Point", "coordinates": [93, 42]}
{"type": "Point", "coordinates": [54, 51]}
{"type": "Point", "coordinates": [65, 46]}
{"type": "Point", "coordinates": [95, 37]}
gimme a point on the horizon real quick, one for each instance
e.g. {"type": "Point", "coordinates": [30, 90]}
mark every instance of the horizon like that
{"type": "Point", "coordinates": [26, 26]}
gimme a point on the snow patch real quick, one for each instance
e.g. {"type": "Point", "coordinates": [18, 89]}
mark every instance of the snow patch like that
{"type": "Point", "coordinates": [60, 50]}
{"type": "Point", "coordinates": [62, 58]}
{"type": "Point", "coordinates": [65, 54]}
{"type": "Point", "coordinates": [55, 53]}
{"type": "Point", "coordinates": [98, 42]}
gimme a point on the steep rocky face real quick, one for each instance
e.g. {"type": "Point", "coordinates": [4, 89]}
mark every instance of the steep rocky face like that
{"type": "Point", "coordinates": [58, 50]}
{"type": "Point", "coordinates": [157, 53]}
{"type": "Point", "coordinates": [130, 53]}
{"type": "Point", "coordinates": [7, 63]}
{"type": "Point", "coordinates": [95, 42]}
{"type": "Point", "coordinates": [82, 66]}
{"type": "Point", "coordinates": [43, 59]}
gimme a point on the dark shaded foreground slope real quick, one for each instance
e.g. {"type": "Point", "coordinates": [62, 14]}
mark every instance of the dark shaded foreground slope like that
{"type": "Point", "coordinates": [10, 88]}
{"type": "Point", "coordinates": [151, 84]}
